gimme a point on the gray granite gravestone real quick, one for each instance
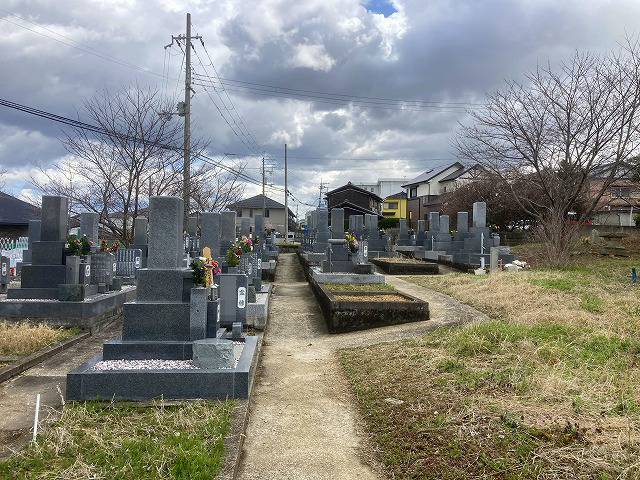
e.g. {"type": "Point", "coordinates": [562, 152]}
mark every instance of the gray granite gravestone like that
{"type": "Point", "coordinates": [337, 223]}
{"type": "Point", "coordinates": [403, 236]}
{"type": "Point", "coordinates": [141, 239]}
{"type": "Point", "coordinates": [34, 236]}
{"type": "Point", "coordinates": [245, 226]}
{"type": "Point", "coordinates": [227, 231]}
{"type": "Point", "coordinates": [210, 233]}
{"type": "Point", "coordinates": [89, 222]}
{"type": "Point", "coordinates": [128, 261]}
{"type": "Point", "coordinates": [165, 233]}
{"type": "Point", "coordinates": [47, 269]}
{"type": "Point", "coordinates": [233, 299]}
{"type": "Point", "coordinates": [322, 231]}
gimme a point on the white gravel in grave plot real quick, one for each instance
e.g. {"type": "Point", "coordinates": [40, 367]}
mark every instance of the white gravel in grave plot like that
{"type": "Point", "coordinates": [107, 365]}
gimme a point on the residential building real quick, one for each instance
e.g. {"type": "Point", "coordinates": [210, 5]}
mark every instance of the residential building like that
{"type": "Point", "coordinates": [15, 215]}
{"type": "Point", "coordinates": [395, 206]}
{"type": "Point", "coordinates": [274, 213]}
{"type": "Point", "coordinates": [355, 200]}
{"type": "Point", "coordinates": [384, 187]}
{"type": "Point", "coordinates": [619, 204]}
{"type": "Point", "coordinates": [425, 192]}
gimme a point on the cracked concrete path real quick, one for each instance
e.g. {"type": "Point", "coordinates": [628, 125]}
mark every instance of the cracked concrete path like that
{"type": "Point", "coordinates": [303, 420]}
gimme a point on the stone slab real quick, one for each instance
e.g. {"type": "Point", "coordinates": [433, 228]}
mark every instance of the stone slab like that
{"type": "Point", "coordinates": [213, 353]}
{"type": "Point", "coordinates": [156, 321]}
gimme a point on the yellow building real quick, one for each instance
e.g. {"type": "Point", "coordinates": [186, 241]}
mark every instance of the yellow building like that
{"type": "Point", "coordinates": [395, 206]}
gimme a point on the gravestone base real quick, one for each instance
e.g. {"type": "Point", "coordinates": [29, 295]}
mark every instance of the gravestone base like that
{"type": "Point", "coordinates": [86, 384]}
{"type": "Point", "coordinates": [89, 314]}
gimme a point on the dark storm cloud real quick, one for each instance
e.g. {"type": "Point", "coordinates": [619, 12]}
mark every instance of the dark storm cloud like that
{"type": "Point", "coordinates": [437, 51]}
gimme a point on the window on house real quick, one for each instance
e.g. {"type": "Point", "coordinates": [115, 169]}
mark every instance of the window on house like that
{"type": "Point", "coordinates": [413, 192]}
{"type": "Point", "coordinates": [251, 212]}
{"type": "Point", "coordinates": [391, 205]}
{"type": "Point", "coordinates": [266, 213]}
{"type": "Point", "coordinates": [620, 192]}
{"type": "Point", "coordinates": [444, 189]}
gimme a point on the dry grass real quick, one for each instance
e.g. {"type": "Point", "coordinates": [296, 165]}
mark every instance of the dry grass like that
{"type": "Point", "coordinates": [25, 338]}
{"type": "Point", "coordinates": [371, 298]}
{"type": "Point", "coordinates": [123, 442]}
{"type": "Point", "coordinates": [549, 388]}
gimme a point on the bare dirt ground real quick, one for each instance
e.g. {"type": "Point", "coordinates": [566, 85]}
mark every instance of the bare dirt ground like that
{"type": "Point", "coordinates": [303, 421]}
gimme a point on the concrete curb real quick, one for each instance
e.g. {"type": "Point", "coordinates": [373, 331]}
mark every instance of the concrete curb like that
{"type": "Point", "coordinates": [234, 440]}
{"type": "Point", "coordinates": [40, 356]}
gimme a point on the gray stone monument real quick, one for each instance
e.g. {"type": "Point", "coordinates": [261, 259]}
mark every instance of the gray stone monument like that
{"type": "Point", "coordinates": [337, 223]}
{"type": "Point", "coordinates": [34, 236]}
{"type": "Point", "coordinates": [89, 222]}
{"type": "Point", "coordinates": [245, 227]}
{"type": "Point", "coordinates": [210, 233]}
{"type": "Point", "coordinates": [227, 231]}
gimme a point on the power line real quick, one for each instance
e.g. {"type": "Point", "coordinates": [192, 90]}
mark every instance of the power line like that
{"type": "Point", "coordinates": [251, 87]}
{"type": "Point", "coordinates": [336, 101]}
{"type": "Point", "coordinates": [102, 131]}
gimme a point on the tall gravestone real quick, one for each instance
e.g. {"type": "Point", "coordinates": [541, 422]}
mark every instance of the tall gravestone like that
{"type": "Point", "coordinates": [245, 227]}
{"type": "Point", "coordinates": [227, 231]}
{"type": "Point", "coordinates": [337, 223]}
{"type": "Point", "coordinates": [34, 236]}
{"type": "Point", "coordinates": [322, 231]}
{"type": "Point", "coordinates": [141, 239]}
{"type": "Point", "coordinates": [403, 236]}
{"type": "Point", "coordinates": [47, 269]}
{"type": "Point", "coordinates": [161, 309]}
{"type": "Point", "coordinates": [210, 232]}
{"type": "Point", "coordinates": [89, 223]}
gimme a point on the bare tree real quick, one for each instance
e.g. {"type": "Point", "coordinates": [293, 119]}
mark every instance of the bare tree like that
{"type": "Point", "coordinates": [137, 153]}
{"type": "Point", "coordinates": [557, 131]}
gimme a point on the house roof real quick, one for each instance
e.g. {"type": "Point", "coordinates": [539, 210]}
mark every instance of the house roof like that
{"type": "Point", "coordinates": [429, 174]}
{"type": "Point", "coordinates": [353, 206]}
{"type": "Point", "coordinates": [256, 202]}
{"type": "Point", "coordinates": [14, 211]}
{"type": "Point", "coordinates": [350, 185]}
{"type": "Point", "coordinates": [397, 195]}
{"type": "Point", "coordinates": [460, 172]}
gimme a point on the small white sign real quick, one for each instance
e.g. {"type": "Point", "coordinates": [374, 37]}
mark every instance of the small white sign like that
{"type": "Point", "coordinates": [250, 269]}
{"type": "Point", "coordinates": [4, 269]}
{"type": "Point", "coordinates": [242, 297]}
{"type": "Point", "coordinates": [218, 311]}
{"type": "Point", "coordinates": [365, 251]}
{"type": "Point", "coordinates": [259, 264]}
{"type": "Point", "coordinates": [114, 267]}
{"type": "Point", "coordinates": [137, 262]}
{"type": "Point", "coordinates": [87, 271]}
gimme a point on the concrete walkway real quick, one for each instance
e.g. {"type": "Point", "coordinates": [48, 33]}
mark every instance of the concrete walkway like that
{"type": "Point", "coordinates": [303, 421]}
{"type": "Point", "coordinates": [18, 394]}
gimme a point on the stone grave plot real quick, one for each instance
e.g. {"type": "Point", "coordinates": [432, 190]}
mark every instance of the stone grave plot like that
{"type": "Point", "coordinates": [468, 247]}
{"type": "Point", "coordinates": [405, 266]}
{"type": "Point", "coordinates": [63, 289]}
{"type": "Point", "coordinates": [174, 342]}
{"type": "Point", "coordinates": [350, 310]}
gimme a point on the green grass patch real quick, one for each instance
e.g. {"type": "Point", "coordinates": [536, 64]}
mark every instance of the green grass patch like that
{"type": "Point", "coordinates": [561, 284]}
{"type": "Point", "coordinates": [367, 287]}
{"type": "Point", "coordinates": [92, 440]}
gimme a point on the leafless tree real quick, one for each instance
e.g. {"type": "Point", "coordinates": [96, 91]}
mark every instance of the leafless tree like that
{"type": "Point", "coordinates": [559, 129]}
{"type": "Point", "coordinates": [136, 153]}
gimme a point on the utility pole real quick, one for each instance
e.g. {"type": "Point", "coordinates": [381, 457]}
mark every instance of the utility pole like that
{"type": "Point", "coordinates": [264, 199]}
{"type": "Point", "coordinates": [184, 110]}
{"type": "Point", "coordinates": [286, 198]}
{"type": "Point", "coordinates": [323, 186]}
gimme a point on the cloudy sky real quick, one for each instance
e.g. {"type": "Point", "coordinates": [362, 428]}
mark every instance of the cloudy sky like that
{"type": "Point", "coordinates": [358, 90]}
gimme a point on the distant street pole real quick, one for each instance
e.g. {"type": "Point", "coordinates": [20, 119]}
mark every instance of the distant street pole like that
{"type": "Point", "coordinates": [264, 199]}
{"type": "Point", "coordinates": [187, 121]}
{"type": "Point", "coordinates": [184, 110]}
{"type": "Point", "coordinates": [286, 198]}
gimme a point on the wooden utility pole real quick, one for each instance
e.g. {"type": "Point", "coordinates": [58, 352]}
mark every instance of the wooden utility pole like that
{"type": "Point", "coordinates": [264, 199]}
{"type": "Point", "coordinates": [187, 121]}
{"type": "Point", "coordinates": [184, 110]}
{"type": "Point", "coordinates": [286, 198]}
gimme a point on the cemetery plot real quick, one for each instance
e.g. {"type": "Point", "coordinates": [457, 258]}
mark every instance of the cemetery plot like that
{"type": "Point", "coordinates": [405, 266]}
{"type": "Point", "coordinates": [348, 310]}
